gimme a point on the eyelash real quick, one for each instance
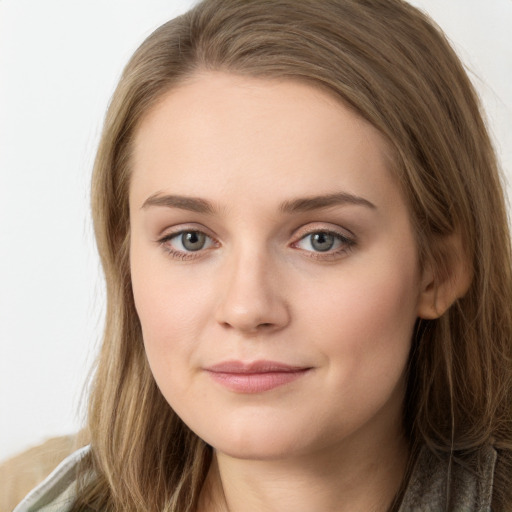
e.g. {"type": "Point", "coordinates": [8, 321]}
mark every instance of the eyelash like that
{"type": "Point", "coordinates": [346, 245]}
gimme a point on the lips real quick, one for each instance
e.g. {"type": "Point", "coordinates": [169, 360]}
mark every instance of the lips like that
{"type": "Point", "coordinates": [255, 377]}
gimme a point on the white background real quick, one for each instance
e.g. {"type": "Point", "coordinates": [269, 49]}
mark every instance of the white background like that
{"type": "Point", "coordinates": [59, 62]}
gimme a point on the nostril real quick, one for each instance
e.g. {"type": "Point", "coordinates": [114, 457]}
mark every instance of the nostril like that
{"type": "Point", "coordinates": [265, 325]}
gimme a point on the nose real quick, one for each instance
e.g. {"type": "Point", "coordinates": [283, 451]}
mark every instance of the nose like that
{"type": "Point", "coordinates": [252, 298]}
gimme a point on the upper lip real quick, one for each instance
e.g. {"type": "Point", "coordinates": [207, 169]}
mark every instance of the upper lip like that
{"type": "Point", "coordinates": [253, 367]}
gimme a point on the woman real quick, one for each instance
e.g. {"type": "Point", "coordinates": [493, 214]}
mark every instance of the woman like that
{"type": "Point", "coordinates": [306, 251]}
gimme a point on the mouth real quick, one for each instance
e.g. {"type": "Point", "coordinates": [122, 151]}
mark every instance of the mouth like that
{"type": "Point", "coordinates": [255, 377]}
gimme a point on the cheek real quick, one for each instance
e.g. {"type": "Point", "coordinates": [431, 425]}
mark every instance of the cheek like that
{"type": "Point", "coordinates": [364, 330]}
{"type": "Point", "coordinates": [366, 322]}
{"type": "Point", "coordinates": [170, 310]}
{"type": "Point", "coordinates": [170, 323]}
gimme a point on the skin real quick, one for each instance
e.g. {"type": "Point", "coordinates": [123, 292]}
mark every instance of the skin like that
{"type": "Point", "coordinates": [259, 289]}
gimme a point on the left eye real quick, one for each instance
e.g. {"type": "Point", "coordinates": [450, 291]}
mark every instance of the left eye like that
{"type": "Point", "coordinates": [321, 241]}
{"type": "Point", "coordinates": [190, 241]}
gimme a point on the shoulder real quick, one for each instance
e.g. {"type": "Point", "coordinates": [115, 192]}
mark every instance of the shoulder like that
{"type": "Point", "coordinates": [465, 482]}
{"type": "Point", "coordinates": [57, 492]}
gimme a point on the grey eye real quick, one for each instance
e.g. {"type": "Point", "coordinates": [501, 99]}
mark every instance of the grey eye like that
{"type": "Point", "coordinates": [193, 240]}
{"type": "Point", "coordinates": [187, 242]}
{"type": "Point", "coordinates": [322, 241]}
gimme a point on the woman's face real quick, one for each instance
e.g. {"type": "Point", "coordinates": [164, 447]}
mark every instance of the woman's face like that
{"type": "Point", "coordinates": [274, 267]}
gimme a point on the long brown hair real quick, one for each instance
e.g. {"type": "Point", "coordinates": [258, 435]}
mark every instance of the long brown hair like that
{"type": "Point", "coordinates": [394, 67]}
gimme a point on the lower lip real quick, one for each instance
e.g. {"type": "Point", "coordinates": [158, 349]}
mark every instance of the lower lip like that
{"type": "Point", "coordinates": [256, 382]}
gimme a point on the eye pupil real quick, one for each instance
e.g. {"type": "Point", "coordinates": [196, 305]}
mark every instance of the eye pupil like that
{"type": "Point", "coordinates": [193, 240]}
{"type": "Point", "coordinates": [322, 241]}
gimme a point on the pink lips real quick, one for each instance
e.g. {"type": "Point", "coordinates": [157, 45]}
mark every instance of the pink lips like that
{"type": "Point", "coordinates": [254, 377]}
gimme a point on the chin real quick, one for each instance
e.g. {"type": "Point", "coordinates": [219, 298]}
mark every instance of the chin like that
{"type": "Point", "coordinates": [263, 450]}
{"type": "Point", "coordinates": [263, 441]}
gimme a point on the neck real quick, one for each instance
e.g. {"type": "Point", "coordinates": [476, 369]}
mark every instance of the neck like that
{"type": "Point", "coordinates": [362, 477]}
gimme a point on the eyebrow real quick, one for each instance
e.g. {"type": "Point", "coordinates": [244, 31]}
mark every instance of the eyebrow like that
{"type": "Point", "coordinates": [192, 204]}
{"type": "Point", "coordinates": [307, 204]}
{"type": "Point", "coordinates": [302, 204]}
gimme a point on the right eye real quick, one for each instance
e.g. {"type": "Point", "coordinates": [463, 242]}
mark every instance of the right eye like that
{"type": "Point", "coordinates": [186, 242]}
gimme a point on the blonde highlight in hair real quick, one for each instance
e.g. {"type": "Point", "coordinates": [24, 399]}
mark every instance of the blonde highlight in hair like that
{"type": "Point", "coordinates": [390, 63]}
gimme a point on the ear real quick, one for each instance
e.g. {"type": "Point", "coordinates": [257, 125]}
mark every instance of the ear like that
{"type": "Point", "coordinates": [444, 281]}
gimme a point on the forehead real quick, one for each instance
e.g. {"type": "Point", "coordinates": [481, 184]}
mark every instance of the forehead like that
{"type": "Point", "coordinates": [227, 135]}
